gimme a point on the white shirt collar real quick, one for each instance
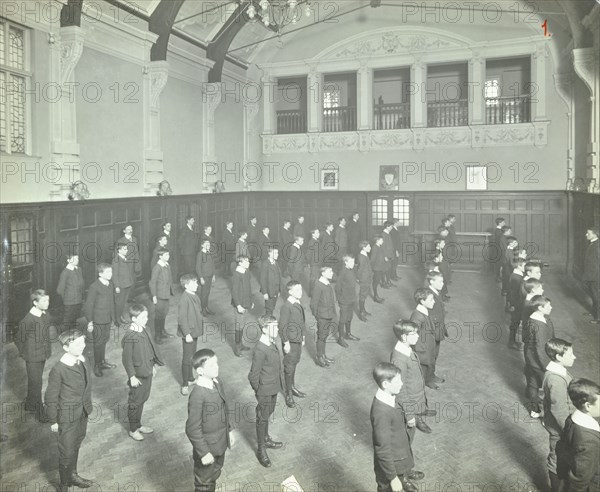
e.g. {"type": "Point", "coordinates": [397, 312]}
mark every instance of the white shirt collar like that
{"type": "Point", "coordinates": [324, 281]}
{"type": "Point", "coordinates": [189, 227]}
{"type": "Point", "coordinates": [240, 269]}
{"type": "Point", "coordinates": [71, 267]}
{"type": "Point", "coordinates": [127, 237]}
{"type": "Point", "coordinates": [162, 263]}
{"type": "Point", "coordinates": [364, 253]}
{"type": "Point", "coordinates": [422, 309]}
{"type": "Point", "coordinates": [71, 360]}
{"type": "Point", "coordinates": [518, 272]}
{"type": "Point", "coordinates": [403, 349]}
{"type": "Point", "coordinates": [104, 282]}
{"type": "Point", "coordinates": [386, 398]}
{"type": "Point", "coordinates": [124, 257]}
{"type": "Point", "coordinates": [265, 339]}
{"type": "Point", "coordinates": [293, 300]}
{"type": "Point", "coordinates": [36, 312]}
{"type": "Point", "coordinates": [538, 316]}
{"type": "Point", "coordinates": [434, 290]}
{"type": "Point", "coordinates": [341, 226]}
{"type": "Point", "coordinates": [593, 240]}
{"type": "Point", "coordinates": [297, 245]}
{"type": "Point", "coordinates": [135, 327]}
{"type": "Point", "coordinates": [556, 368]}
{"type": "Point", "coordinates": [585, 420]}
{"type": "Point", "coordinates": [206, 384]}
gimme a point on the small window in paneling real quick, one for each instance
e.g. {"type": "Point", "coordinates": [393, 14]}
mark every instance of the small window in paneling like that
{"type": "Point", "coordinates": [401, 207]}
{"type": "Point", "coordinates": [379, 211]}
{"type": "Point", "coordinates": [21, 241]}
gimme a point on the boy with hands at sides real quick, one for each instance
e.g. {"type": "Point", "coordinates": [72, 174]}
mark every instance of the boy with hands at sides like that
{"type": "Point", "coordinates": [189, 327]}
{"type": "Point", "coordinates": [69, 402]}
{"type": "Point", "coordinates": [208, 426]}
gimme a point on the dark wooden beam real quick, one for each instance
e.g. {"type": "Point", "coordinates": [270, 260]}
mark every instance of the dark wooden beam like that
{"type": "Point", "coordinates": [161, 23]}
{"type": "Point", "coordinates": [70, 14]}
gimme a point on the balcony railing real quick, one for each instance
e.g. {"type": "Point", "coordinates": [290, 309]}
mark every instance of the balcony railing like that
{"type": "Point", "coordinates": [391, 116]}
{"type": "Point", "coordinates": [447, 113]}
{"type": "Point", "coordinates": [291, 121]}
{"type": "Point", "coordinates": [507, 110]}
{"type": "Point", "coordinates": [340, 119]}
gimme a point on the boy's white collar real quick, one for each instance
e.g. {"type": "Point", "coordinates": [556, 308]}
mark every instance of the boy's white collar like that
{"type": "Point", "coordinates": [265, 339]}
{"type": "Point", "coordinates": [556, 368]}
{"type": "Point", "coordinates": [403, 348]}
{"type": "Point", "coordinates": [386, 398]}
{"type": "Point", "coordinates": [422, 309]}
{"type": "Point", "coordinates": [71, 360]}
{"type": "Point", "coordinates": [585, 420]}
{"type": "Point", "coordinates": [538, 316]}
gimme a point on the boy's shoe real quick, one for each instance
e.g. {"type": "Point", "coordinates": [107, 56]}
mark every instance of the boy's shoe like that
{"type": "Point", "coordinates": [535, 415]}
{"type": "Point", "coordinates": [594, 321]}
{"type": "Point", "coordinates": [97, 371]}
{"type": "Point", "coordinates": [415, 475]}
{"type": "Point", "coordinates": [185, 390]}
{"type": "Point", "coordinates": [433, 386]}
{"type": "Point", "coordinates": [422, 426]}
{"type": "Point", "coordinates": [107, 365]}
{"type": "Point", "coordinates": [437, 379]}
{"type": "Point", "coordinates": [136, 436]}
{"type": "Point", "coordinates": [429, 413]}
{"type": "Point", "coordinates": [407, 485]}
{"type": "Point", "coordinates": [144, 429]}
{"type": "Point", "coordinates": [328, 360]}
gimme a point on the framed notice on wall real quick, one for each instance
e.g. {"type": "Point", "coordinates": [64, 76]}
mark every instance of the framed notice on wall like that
{"type": "Point", "coordinates": [388, 178]}
{"type": "Point", "coordinates": [330, 179]}
{"type": "Point", "coordinates": [476, 178]}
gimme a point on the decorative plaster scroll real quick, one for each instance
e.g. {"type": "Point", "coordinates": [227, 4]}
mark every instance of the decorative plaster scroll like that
{"type": "Point", "coordinates": [584, 62]}
{"type": "Point", "coordinates": [211, 97]}
{"type": "Point", "coordinates": [159, 74]}
{"type": "Point", "coordinates": [393, 139]}
{"type": "Point", "coordinates": [500, 135]}
{"type": "Point", "coordinates": [448, 137]}
{"type": "Point", "coordinates": [290, 143]}
{"type": "Point", "coordinates": [251, 110]}
{"type": "Point", "coordinates": [71, 48]}
{"type": "Point", "coordinates": [313, 143]}
{"type": "Point", "coordinates": [563, 83]}
{"type": "Point", "coordinates": [392, 43]}
{"type": "Point", "coordinates": [338, 141]}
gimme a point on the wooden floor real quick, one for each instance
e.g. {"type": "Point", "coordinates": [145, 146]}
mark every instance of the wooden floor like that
{"type": "Point", "coordinates": [482, 437]}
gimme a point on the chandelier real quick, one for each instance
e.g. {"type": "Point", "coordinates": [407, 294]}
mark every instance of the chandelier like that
{"type": "Point", "coordinates": [276, 14]}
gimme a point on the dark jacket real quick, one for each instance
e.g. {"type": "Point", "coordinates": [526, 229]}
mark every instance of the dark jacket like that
{"type": "Point", "coordinates": [412, 394]}
{"type": "Point", "coordinates": [241, 293]}
{"type": "Point", "coordinates": [578, 457]}
{"type": "Point", "coordinates": [270, 279]}
{"type": "Point", "coordinates": [329, 249]}
{"type": "Point", "coordinates": [139, 354]}
{"type": "Point", "coordinates": [378, 262]}
{"type": "Point", "coordinates": [205, 265]}
{"type": "Point", "coordinates": [299, 230]}
{"type": "Point", "coordinates": [391, 443]}
{"type": "Point", "coordinates": [425, 347]}
{"type": "Point", "coordinates": [354, 234]}
{"type": "Point", "coordinates": [557, 404]}
{"type": "Point", "coordinates": [535, 336]}
{"type": "Point", "coordinates": [322, 302]}
{"type": "Point", "coordinates": [208, 423]}
{"type": "Point", "coordinates": [437, 315]}
{"type": "Point", "coordinates": [68, 394]}
{"type": "Point", "coordinates": [33, 338]}
{"type": "Point", "coordinates": [514, 291]}
{"type": "Point", "coordinates": [292, 322]}
{"type": "Point", "coordinates": [591, 262]}
{"type": "Point", "coordinates": [345, 287]}
{"type": "Point", "coordinates": [189, 316]}
{"type": "Point", "coordinates": [295, 262]}
{"type": "Point", "coordinates": [99, 305]}
{"type": "Point", "coordinates": [264, 243]}
{"type": "Point", "coordinates": [187, 241]}
{"type": "Point", "coordinates": [133, 254]}
{"type": "Point", "coordinates": [266, 373]}
{"type": "Point", "coordinates": [228, 244]}
{"type": "Point", "coordinates": [70, 286]}
{"type": "Point", "coordinates": [341, 238]}
{"type": "Point", "coordinates": [123, 274]}
{"type": "Point", "coordinates": [388, 246]}
{"type": "Point", "coordinates": [364, 273]}
{"type": "Point", "coordinates": [314, 253]}
{"type": "Point", "coordinates": [161, 281]}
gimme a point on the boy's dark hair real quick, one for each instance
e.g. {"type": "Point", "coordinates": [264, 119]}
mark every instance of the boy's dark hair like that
{"type": "Point", "coordinates": [101, 267]}
{"type": "Point", "coordinates": [530, 284]}
{"type": "Point", "coordinates": [363, 244]}
{"type": "Point", "coordinates": [377, 237]}
{"type": "Point", "coordinates": [429, 266]}
{"type": "Point", "coordinates": [160, 237]}
{"type": "Point", "coordinates": [187, 218]}
{"type": "Point", "coordinates": [421, 294]}
{"type": "Point", "coordinates": [505, 228]}
{"type": "Point", "coordinates": [499, 220]}
{"type": "Point", "coordinates": [539, 301]}
{"type": "Point", "coordinates": [206, 226]}
{"type": "Point", "coordinates": [162, 251]}
{"type": "Point", "coordinates": [556, 346]}
{"type": "Point", "coordinates": [242, 231]}
{"type": "Point", "coordinates": [384, 371]}
{"type": "Point", "coordinates": [451, 216]}
{"type": "Point", "coordinates": [291, 284]}
{"type": "Point", "coordinates": [432, 275]}
{"type": "Point", "coordinates": [265, 227]}
{"type": "Point", "coordinates": [297, 237]}
{"type": "Point", "coordinates": [582, 391]}
{"type": "Point", "coordinates": [444, 220]}
{"type": "Point", "coordinates": [387, 224]}
{"type": "Point", "coordinates": [66, 337]}
{"type": "Point", "coordinates": [252, 217]}
{"type": "Point", "coordinates": [166, 222]}
{"type": "Point", "coordinates": [312, 231]}
{"type": "Point", "coordinates": [347, 256]}
{"type": "Point", "coordinates": [442, 229]}
{"type": "Point", "coordinates": [126, 226]}
{"type": "Point", "coordinates": [509, 239]}
{"type": "Point", "coordinates": [520, 262]}
{"type": "Point", "coordinates": [201, 356]}
{"type": "Point", "coordinates": [403, 328]}
{"type": "Point", "coordinates": [187, 278]}
{"type": "Point", "coordinates": [241, 258]}
{"type": "Point", "coordinates": [37, 294]}
{"type": "Point", "coordinates": [437, 242]}
{"type": "Point", "coordinates": [323, 268]}
{"type": "Point", "coordinates": [136, 309]}
{"type": "Point", "coordinates": [287, 221]}
{"type": "Point", "coordinates": [206, 240]}
{"type": "Point", "coordinates": [71, 254]}
{"type": "Point", "coordinates": [327, 224]}
{"type": "Point", "coordinates": [266, 320]}
{"type": "Point", "coordinates": [121, 245]}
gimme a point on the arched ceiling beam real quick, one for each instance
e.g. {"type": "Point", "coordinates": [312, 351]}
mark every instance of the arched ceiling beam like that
{"type": "Point", "coordinates": [161, 23]}
{"type": "Point", "coordinates": [70, 14]}
{"type": "Point", "coordinates": [582, 38]}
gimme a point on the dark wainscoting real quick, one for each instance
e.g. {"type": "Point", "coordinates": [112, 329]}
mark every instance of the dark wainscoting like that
{"type": "Point", "coordinates": [584, 212]}
{"type": "Point", "coordinates": [538, 218]}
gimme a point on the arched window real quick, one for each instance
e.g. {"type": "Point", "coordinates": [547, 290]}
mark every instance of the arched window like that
{"type": "Point", "coordinates": [383, 209]}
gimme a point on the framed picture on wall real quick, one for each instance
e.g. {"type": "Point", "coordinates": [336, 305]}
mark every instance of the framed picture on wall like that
{"type": "Point", "coordinates": [389, 178]}
{"type": "Point", "coordinates": [330, 179]}
{"type": "Point", "coordinates": [476, 178]}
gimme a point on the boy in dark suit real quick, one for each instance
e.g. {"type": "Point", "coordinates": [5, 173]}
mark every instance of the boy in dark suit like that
{"type": "Point", "coordinates": [266, 379]}
{"type": "Point", "coordinates": [444, 267]}
{"type": "Point", "coordinates": [123, 279]}
{"type": "Point", "coordinates": [299, 228]}
{"type": "Point", "coordinates": [69, 402]}
{"type": "Point", "coordinates": [322, 306]}
{"type": "Point", "coordinates": [253, 251]}
{"type": "Point", "coordinates": [296, 260]}
{"type": "Point", "coordinates": [140, 358]}
{"type": "Point", "coordinates": [205, 269]}
{"type": "Point", "coordinates": [286, 239]}
{"type": "Point", "coordinates": [378, 264]}
{"type": "Point", "coordinates": [425, 347]}
{"type": "Point", "coordinates": [188, 246]}
{"type": "Point", "coordinates": [70, 289]}
{"type": "Point", "coordinates": [189, 327]}
{"type": "Point", "coordinates": [329, 248]}
{"type": "Point", "coordinates": [161, 290]}
{"type": "Point", "coordinates": [33, 342]}
{"type": "Point", "coordinates": [99, 310]}
{"type": "Point", "coordinates": [364, 275]}
{"type": "Point", "coordinates": [354, 234]}
{"type": "Point", "coordinates": [133, 250]}
{"type": "Point", "coordinates": [241, 249]}
{"type": "Point", "coordinates": [270, 280]}
{"type": "Point", "coordinates": [412, 395]}
{"type": "Point", "coordinates": [557, 404]}
{"type": "Point", "coordinates": [435, 283]}
{"type": "Point", "coordinates": [264, 243]}
{"type": "Point", "coordinates": [515, 303]}
{"type": "Point", "coordinates": [388, 252]}
{"type": "Point", "coordinates": [345, 290]}
{"type": "Point", "coordinates": [228, 248]}
{"type": "Point", "coordinates": [161, 243]}
{"type": "Point", "coordinates": [314, 258]}
{"type": "Point", "coordinates": [495, 253]}
{"type": "Point", "coordinates": [208, 426]}
{"type": "Point", "coordinates": [292, 323]}
{"type": "Point", "coordinates": [391, 443]}
{"type": "Point", "coordinates": [241, 300]}
{"type": "Point", "coordinates": [341, 241]}
{"type": "Point", "coordinates": [536, 332]}
{"type": "Point", "coordinates": [591, 266]}
{"type": "Point", "coordinates": [578, 451]}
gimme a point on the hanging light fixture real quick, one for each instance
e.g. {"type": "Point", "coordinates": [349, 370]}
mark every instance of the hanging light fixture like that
{"type": "Point", "coordinates": [276, 14]}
